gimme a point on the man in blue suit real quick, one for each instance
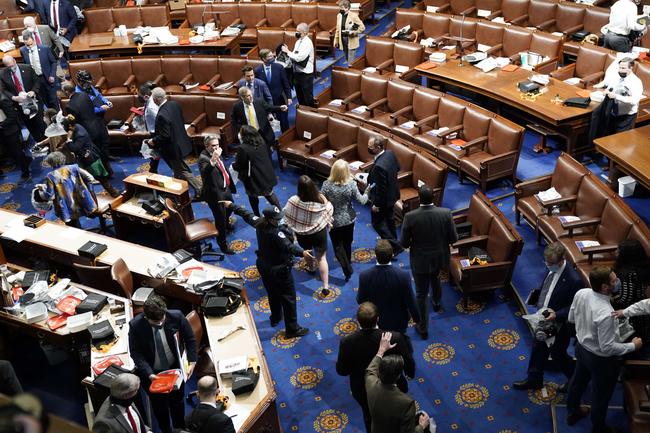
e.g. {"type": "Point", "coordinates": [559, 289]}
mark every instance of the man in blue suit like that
{"type": "Point", "coordinates": [389, 288]}
{"type": "Point", "coordinates": [275, 77]}
{"type": "Point", "coordinates": [62, 18]}
{"type": "Point", "coordinates": [555, 296]}
{"type": "Point", "coordinates": [258, 87]}
{"type": "Point", "coordinates": [41, 7]}
{"type": "Point", "coordinates": [41, 59]}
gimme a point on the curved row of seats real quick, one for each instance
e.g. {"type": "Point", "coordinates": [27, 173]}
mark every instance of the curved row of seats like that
{"type": "Point", "coordinates": [100, 20]}
{"type": "Point", "coordinates": [477, 143]}
{"type": "Point", "coordinates": [602, 215]}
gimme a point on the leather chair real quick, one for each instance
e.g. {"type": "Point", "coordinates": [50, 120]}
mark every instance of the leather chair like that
{"type": "Point", "coordinates": [399, 102]}
{"type": "Point", "coordinates": [304, 13]}
{"type": "Point", "coordinates": [198, 15]}
{"type": "Point", "coordinates": [468, 27]}
{"type": "Point", "coordinates": [115, 279]}
{"type": "Point", "coordinates": [216, 119]}
{"type": "Point", "coordinates": [121, 110]}
{"type": "Point", "coordinates": [341, 134]}
{"type": "Point", "coordinates": [462, 7]}
{"type": "Point", "coordinates": [193, 106]}
{"type": "Point", "coordinates": [549, 46]}
{"type": "Point", "coordinates": [379, 54]}
{"type": "Point", "coordinates": [425, 115]}
{"type": "Point", "coordinates": [192, 233]}
{"type": "Point", "coordinates": [513, 11]}
{"type": "Point", "coordinates": [118, 77]}
{"type": "Point", "coordinates": [493, 7]}
{"type": "Point", "coordinates": [406, 55]}
{"type": "Point", "coordinates": [435, 26]}
{"type": "Point", "coordinates": [589, 66]}
{"type": "Point", "coordinates": [94, 67]}
{"type": "Point", "coordinates": [278, 15]}
{"type": "Point", "coordinates": [407, 17]}
{"type": "Point", "coordinates": [147, 69]}
{"type": "Point", "coordinates": [472, 129]}
{"type": "Point", "coordinates": [515, 40]}
{"type": "Point", "coordinates": [502, 243]}
{"type": "Point", "coordinates": [594, 19]}
{"type": "Point", "coordinates": [569, 18]}
{"type": "Point", "coordinates": [98, 20]}
{"type": "Point", "coordinates": [425, 169]}
{"type": "Point", "coordinates": [231, 15]}
{"type": "Point", "coordinates": [326, 25]}
{"type": "Point", "coordinates": [155, 15]}
{"type": "Point", "coordinates": [490, 35]}
{"type": "Point", "coordinates": [358, 151]}
{"type": "Point", "coordinates": [230, 68]}
{"type": "Point", "coordinates": [566, 178]}
{"type": "Point", "coordinates": [253, 15]}
{"type": "Point", "coordinates": [642, 70]}
{"type": "Point", "coordinates": [372, 94]}
{"type": "Point", "coordinates": [205, 71]}
{"type": "Point", "coordinates": [310, 129]}
{"type": "Point", "coordinates": [127, 16]}
{"type": "Point", "coordinates": [345, 83]}
{"type": "Point", "coordinates": [404, 156]}
{"type": "Point", "coordinates": [636, 377]}
{"type": "Point", "coordinates": [541, 14]}
{"type": "Point", "coordinates": [450, 115]}
{"type": "Point", "coordinates": [176, 73]}
{"type": "Point", "coordinates": [204, 365]}
{"type": "Point", "coordinates": [272, 37]}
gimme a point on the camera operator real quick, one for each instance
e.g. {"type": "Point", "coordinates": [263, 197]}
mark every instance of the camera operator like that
{"type": "Point", "coordinates": [624, 90]}
{"type": "Point", "coordinates": [554, 300]}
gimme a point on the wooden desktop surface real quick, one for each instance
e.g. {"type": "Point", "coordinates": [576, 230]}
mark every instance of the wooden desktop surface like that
{"type": "Point", "coordinates": [82, 44]}
{"type": "Point", "coordinates": [628, 151]}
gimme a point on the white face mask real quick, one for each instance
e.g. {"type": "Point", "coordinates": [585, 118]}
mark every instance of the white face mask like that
{"type": "Point", "coordinates": [239, 138]}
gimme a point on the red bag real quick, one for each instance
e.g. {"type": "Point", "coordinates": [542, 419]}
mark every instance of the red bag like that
{"type": "Point", "coordinates": [57, 322]}
{"type": "Point", "coordinates": [102, 365]}
{"type": "Point", "coordinates": [68, 305]}
{"type": "Point", "coordinates": [165, 382]}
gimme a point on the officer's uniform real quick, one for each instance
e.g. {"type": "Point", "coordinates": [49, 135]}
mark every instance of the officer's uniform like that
{"type": "Point", "coordinates": [274, 262]}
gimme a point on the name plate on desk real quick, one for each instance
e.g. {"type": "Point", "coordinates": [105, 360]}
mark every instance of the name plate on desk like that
{"type": "Point", "coordinates": [159, 180]}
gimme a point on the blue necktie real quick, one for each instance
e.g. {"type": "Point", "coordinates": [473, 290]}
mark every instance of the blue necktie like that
{"type": "Point", "coordinates": [268, 74]}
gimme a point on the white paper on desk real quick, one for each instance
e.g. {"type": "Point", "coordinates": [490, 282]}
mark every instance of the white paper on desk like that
{"type": "Point", "coordinates": [432, 9]}
{"type": "Point", "coordinates": [573, 81]}
{"type": "Point", "coordinates": [483, 48]}
{"type": "Point", "coordinates": [499, 20]}
{"type": "Point", "coordinates": [191, 263]}
{"type": "Point", "coordinates": [400, 69]}
{"type": "Point", "coordinates": [437, 132]}
{"type": "Point", "coordinates": [408, 125]}
{"type": "Point", "coordinates": [356, 165]}
{"type": "Point", "coordinates": [487, 65]}
{"type": "Point", "coordinates": [56, 290]}
{"type": "Point", "coordinates": [428, 42]}
{"type": "Point", "coordinates": [449, 47]}
{"type": "Point", "coordinates": [482, 13]}
{"type": "Point", "coordinates": [237, 414]}
{"type": "Point", "coordinates": [70, 234]}
{"type": "Point", "coordinates": [329, 154]}
{"type": "Point", "coordinates": [336, 102]}
{"type": "Point", "coordinates": [18, 233]}
{"type": "Point", "coordinates": [502, 61]}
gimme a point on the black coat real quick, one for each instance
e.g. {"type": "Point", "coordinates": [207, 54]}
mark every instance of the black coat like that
{"type": "Point", "coordinates": [565, 289]}
{"type": "Point", "coordinates": [142, 346]}
{"type": "Point", "coordinates": [357, 350]}
{"type": "Point", "coordinates": [83, 147]}
{"type": "Point", "coordinates": [389, 288]}
{"type": "Point", "coordinates": [262, 110]}
{"type": "Point", "coordinates": [428, 231]}
{"type": "Point", "coordinates": [384, 176]}
{"type": "Point", "coordinates": [10, 126]}
{"type": "Point", "coordinates": [171, 138]}
{"type": "Point", "coordinates": [82, 108]}
{"type": "Point", "coordinates": [30, 80]}
{"type": "Point", "coordinates": [207, 419]}
{"type": "Point", "coordinates": [213, 189]}
{"type": "Point", "coordinates": [253, 164]}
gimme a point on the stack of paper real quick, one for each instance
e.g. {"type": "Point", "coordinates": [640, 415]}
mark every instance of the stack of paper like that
{"type": "Point", "coordinates": [329, 154]}
{"type": "Point", "coordinates": [408, 125]}
{"type": "Point", "coordinates": [437, 132]}
{"type": "Point", "coordinates": [360, 109]}
{"type": "Point", "coordinates": [549, 194]}
{"type": "Point", "coordinates": [336, 102]}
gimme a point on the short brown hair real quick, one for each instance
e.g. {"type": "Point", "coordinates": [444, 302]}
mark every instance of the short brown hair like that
{"type": "Point", "coordinates": [599, 276]}
{"type": "Point", "coordinates": [246, 69]}
{"type": "Point", "coordinates": [383, 251]}
{"type": "Point", "coordinates": [367, 315]}
{"type": "Point", "coordinates": [155, 307]}
{"type": "Point", "coordinates": [554, 252]}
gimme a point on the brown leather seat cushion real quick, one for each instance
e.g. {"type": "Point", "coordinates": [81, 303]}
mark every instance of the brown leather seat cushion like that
{"type": "Point", "coordinates": [200, 229]}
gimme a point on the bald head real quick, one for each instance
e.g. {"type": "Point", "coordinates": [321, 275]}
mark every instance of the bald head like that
{"type": "Point", "coordinates": [158, 94]}
{"type": "Point", "coordinates": [303, 28]}
{"type": "Point", "coordinates": [208, 387]}
{"type": "Point", "coordinates": [29, 21]}
{"type": "Point", "coordinates": [9, 61]}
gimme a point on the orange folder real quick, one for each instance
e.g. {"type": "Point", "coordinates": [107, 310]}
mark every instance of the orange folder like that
{"type": "Point", "coordinates": [165, 382]}
{"type": "Point", "coordinates": [427, 65]}
{"type": "Point", "coordinates": [584, 93]}
{"type": "Point", "coordinates": [510, 68]}
{"type": "Point", "coordinates": [57, 322]}
{"type": "Point", "coordinates": [68, 305]}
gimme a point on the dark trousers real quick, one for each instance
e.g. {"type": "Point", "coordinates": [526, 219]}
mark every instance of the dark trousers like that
{"type": "Point", "coordinates": [9, 384]}
{"type": "Point", "coordinates": [384, 225]}
{"type": "Point", "coordinates": [616, 42]}
{"type": "Point", "coordinates": [255, 202]}
{"type": "Point", "coordinates": [541, 351]}
{"type": "Point", "coordinates": [182, 171]}
{"type": "Point", "coordinates": [166, 406]}
{"type": "Point", "coordinates": [623, 122]}
{"type": "Point", "coordinates": [153, 165]}
{"type": "Point", "coordinates": [359, 394]}
{"type": "Point", "coordinates": [304, 85]}
{"type": "Point", "coordinates": [221, 215]}
{"type": "Point", "coordinates": [342, 243]}
{"type": "Point", "coordinates": [48, 93]}
{"type": "Point", "coordinates": [422, 283]}
{"type": "Point", "coordinates": [35, 125]}
{"type": "Point", "coordinates": [14, 146]}
{"type": "Point", "coordinates": [278, 282]}
{"type": "Point", "coordinates": [603, 374]}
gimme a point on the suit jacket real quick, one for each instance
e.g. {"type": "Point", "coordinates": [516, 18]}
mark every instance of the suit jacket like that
{"type": "Point", "coordinates": [384, 175]}
{"type": "Point", "coordinates": [82, 108]}
{"type": "Point", "coordinates": [391, 410]}
{"type": "Point", "coordinates": [207, 419]}
{"type": "Point", "coordinates": [565, 289]}
{"type": "Point", "coordinates": [41, 7]}
{"type": "Point", "coordinates": [213, 181]}
{"type": "Point", "coordinates": [279, 85]}
{"type": "Point", "coordinates": [48, 61]}
{"type": "Point", "coordinates": [262, 109]}
{"type": "Point", "coordinates": [428, 231]}
{"type": "Point", "coordinates": [48, 37]}
{"type": "Point", "coordinates": [260, 90]}
{"type": "Point", "coordinates": [30, 80]}
{"type": "Point", "coordinates": [353, 40]}
{"type": "Point", "coordinates": [10, 125]}
{"type": "Point", "coordinates": [357, 350]}
{"type": "Point", "coordinates": [171, 138]}
{"type": "Point", "coordinates": [67, 18]}
{"type": "Point", "coordinates": [110, 419]}
{"type": "Point", "coordinates": [142, 346]}
{"type": "Point", "coordinates": [389, 288]}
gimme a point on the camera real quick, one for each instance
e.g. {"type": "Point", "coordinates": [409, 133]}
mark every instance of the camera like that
{"type": "Point", "coordinates": [544, 328]}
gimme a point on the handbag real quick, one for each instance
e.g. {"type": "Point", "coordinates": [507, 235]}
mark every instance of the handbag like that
{"type": "Point", "coordinates": [97, 169]}
{"type": "Point", "coordinates": [577, 102]}
{"type": "Point", "coordinates": [478, 256]}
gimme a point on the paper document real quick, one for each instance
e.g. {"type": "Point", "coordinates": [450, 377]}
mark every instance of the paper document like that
{"type": "Point", "coordinates": [329, 154]}
{"type": "Point", "coordinates": [549, 194]}
{"type": "Point", "coordinates": [482, 13]}
{"type": "Point", "coordinates": [400, 69]}
{"type": "Point", "coordinates": [360, 109]}
{"type": "Point", "coordinates": [568, 218]}
{"type": "Point", "coordinates": [370, 69]}
{"type": "Point", "coordinates": [573, 81]}
{"type": "Point", "coordinates": [408, 125]}
{"type": "Point", "coordinates": [356, 165]}
{"type": "Point", "coordinates": [336, 102]}
{"type": "Point", "coordinates": [16, 230]}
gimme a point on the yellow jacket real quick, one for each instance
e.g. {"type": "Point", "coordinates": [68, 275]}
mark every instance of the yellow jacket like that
{"type": "Point", "coordinates": [353, 38]}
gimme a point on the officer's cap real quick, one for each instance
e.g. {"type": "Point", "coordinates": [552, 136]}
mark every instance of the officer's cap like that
{"type": "Point", "coordinates": [272, 212]}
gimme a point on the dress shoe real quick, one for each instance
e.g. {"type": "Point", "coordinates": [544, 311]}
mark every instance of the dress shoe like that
{"type": "Point", "coordinates": [437, 307]}
{"type": "Point", "coordinates": [24, 179]}
{"type": "Point", "coordinates": [527, 384]}
{"type": "Point", "coordinates": [300, 332]}
{"type": "Point", "coordinates": [423, 334]}
{"type": "Point", "coordinates": [574, 417]}
{"type": "Point", "coordinates": [564, 388]}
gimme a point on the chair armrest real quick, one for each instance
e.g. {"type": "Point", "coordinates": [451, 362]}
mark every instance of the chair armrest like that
{"type": "Point", "coordinates": [235, 22]}
{"type": "Point", "coordinates": [589, 79]}
{"type": "Point", "coordinates": [101, 82]}
{"type": "Point", "coordinates": [385, 64]}
{"type": "Point", "coordinates": [470, 10]}
{"type": "Point", "coordinates": [533, 186]}
{"type": "Point", "coordinates": [185, 79]}
{"type": "Point", "coordinates": [287, 23]}
{"type": "Point", "coordinates": [637, 369]}
{"type": "Point", "coordinates": [547, 67]}
{"type": "Point", "coordinates": [199, 121]}
{"type": "Point", "coordinates": [185, 24]}
{"type": "Point", "coordinates": [214, 80]}
{"type": "Point", "coordinates": [351, 98]}
{"type": "Point", "coordinates": [464, 244]}
{"type": "Point", "coordinates": [366, 165]}
{"type": "Point", "coordinates": [519, 20]}
{"type": "Point", "coordinates": [316, 144]}
{"type": "Point", "coordinates": [359, 63]}
{"type": "Point", "coordinates": [548, 205]}
{"type": "Point", "coordinates": [345, 151]}
{"type": "Point", "coordinates": [598, 249]}
{"type": "Point", "coordinates": [422, 122]}
{"type": "Point", "coordinates": [159, 79]}
{"type": "Point", "coordinates": [493, 49]}
{"type": "Point", "coordinates": [442, 8]}
{"type": "Point", "coordinates": [564, 72]}
{"type": "Point", "coordinates": [313, 24]}
{"type": "Point", "coordinates": [546, 24]}
{"type": "Point", "coordinates": [494, 14]}
{"type": "Point", "coordinates": [480, 141]}
{"type": "Point", "coordinates": [287, 136]}
{"type": "Point", "coordinates": [404, 175]}
{"type": "Point", "coordinates": [490, 268]}
{"type": "Point", "coordinates": [129, 81]}
{"type": "Point", "coordinates": [572, 30]}
{"type": "Point", "coordinates": [377, 103]}
{"type": "Point", "coordinates": [401, 112]}
{"type": "Point", "coordinates": [578, 224]}
{"type": "Point", "coordinates": [263, 23]}
{"type": "Point", "coordinates": [447, 133]}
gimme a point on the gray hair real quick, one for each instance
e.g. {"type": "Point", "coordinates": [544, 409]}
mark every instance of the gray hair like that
{"type": "Point", "coordinates": [27, 34]}
{"type": "Point", "coordinates": [344, 4]}
{"type": "Point", "coordinates": [125, 386]}
{"type": "Point", "coordinates": [207, 387]}
{"type": "Point", "coordinates": [243, 90]}
{"type": "Point", "coordinates": [29, 21]}
{"type": "Point", "coordinates": [158, 94]}
{"type": "Point", "coordinates": [554, 252]}
{"type": "Point", "coordinates": [55, 159]}
{"type": "Point", "coordinates": [208, 138]}
{"type": "Point", "coordinates": [303, 28]}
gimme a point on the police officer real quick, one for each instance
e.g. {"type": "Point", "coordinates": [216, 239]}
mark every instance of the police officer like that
{"type": "Point", "coordinates": [274, 262]}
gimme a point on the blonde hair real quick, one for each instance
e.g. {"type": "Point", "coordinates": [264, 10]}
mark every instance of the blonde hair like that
{"type": "Point", "coordinates": [340, 172]}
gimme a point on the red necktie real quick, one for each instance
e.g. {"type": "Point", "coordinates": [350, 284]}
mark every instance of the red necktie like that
{"type": "Point", "coordinates": [19, 86]}
{"type": "Point", "coordinates": [224, 172]}
{"type": "Point", "coordinates": [134, 426]}
{"type": "Point", "coordinates": [37, 37]}
{"type": "Point", "coordinates": [56, 15]}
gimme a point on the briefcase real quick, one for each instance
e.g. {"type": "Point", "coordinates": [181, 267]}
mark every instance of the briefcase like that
{"type": "Point", "coordinates": [101, 333]}
{"type": "Point", "coordinates": [243, 382]}
{"type": "Point", "coordinates": [528, 87]}
{"type": "Point", "coordinates": [94, 302]}
{"type": "Point", "coordinates": [577, 102]}
{"type": "Point", "coordinates": [579, 36]}
{"type": "Point", "coordinates": [115, 124]}
{"type": "Point", "coordinates": [105, 379]}
{"type": "Point", "coordinates": [91, 250]}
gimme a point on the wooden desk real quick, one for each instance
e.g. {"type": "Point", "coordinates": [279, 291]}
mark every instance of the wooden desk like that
{"type": "Point", "coordinates": [628, 152]}
{"type": "Point", "coordinates": [81, 45]}
{"type": "Point", "coordinates": [569, 122]}
{"type": "Point", "coordinates": [129, 217]}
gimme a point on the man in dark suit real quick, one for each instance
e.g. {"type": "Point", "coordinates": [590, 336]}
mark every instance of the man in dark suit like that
{"type": "Point", "coordinates": [254, 112]}
{"type": "Point", "coordinates": [63, 19]}
{"type": "Point", "coordinates": [217, 187]}
{"type": "Point", "coordinates": [391, 410]}
{"type": "Point", "coordinates": [275, 77]}
{"type": "Point", "coordinates": [206, 418]}
{"type": "Point", "coordinates": [10, 134]}
{"type": "Point", "coordinates": [170, 138]}
{"type": "Point", "coordinates": [118, 413]}
{"type": "Point", "coordinates": [389, 288]}
{"type": "Point", "coordinates": [428, 231]}
{"type": "Point", "coordinates": [9, 383]}
{"type": "Point", "coordinates": [357, 350]}
{"type": "Point", "coordinates": [44, 64]}
{"type": "Point", "coordinates": [258, 87]}
{"type": "Point", "coordinates": [555, 296]}
{"type": "Point", "coordinates": [19, 80]}
{"type": "Point", "coordinates": [156, 339]}
{"type": "Point", "coordinates": [384, 191]}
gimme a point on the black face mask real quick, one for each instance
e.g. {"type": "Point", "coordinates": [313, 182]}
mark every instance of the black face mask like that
{"type": "Point", "coordinates": [622, 74]}
{"type": "Point", "coordinates": [297, 35]}
{"type": "Point", "coordinates": [124, 402]}
{"type": "Point", "coordinates": [342, 12]}
{"type": "Point", "coordinates": [88, 88]}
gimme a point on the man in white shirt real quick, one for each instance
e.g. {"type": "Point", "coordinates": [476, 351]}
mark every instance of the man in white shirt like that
{"type": "Point", "coordinates": [622, 29]}
{"type": "Point", "coordinates": [625, 90]}
{"type": "Point", "coordinates": [150, 113]}
{"type": "Point", "coordinates": [118, 414]}
{"type": "Point", "coordinates": [598, 349]}
{"type": "Point", "coordinates": [302, 58]}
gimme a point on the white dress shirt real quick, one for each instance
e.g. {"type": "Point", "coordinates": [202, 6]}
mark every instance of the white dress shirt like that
{"type": "Point", "coordinates": [304, 48]}
{"type": "Point", "coordinates": [622, 18]}
{"type": "Point", "coordinates": [55, 19]}
{"type": "Point", "coordinates": [596, 329]}
{"type": "Point", "coordinates": [640, 308]}
{"type": "Point", "coordinates": [134, 414]}
{"type": "Point", "coordinates": [34, 59]}
{"type": "Point", "coordinates": [630, 85]}
{"type": "Point", "coordinates": [150, 113]}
